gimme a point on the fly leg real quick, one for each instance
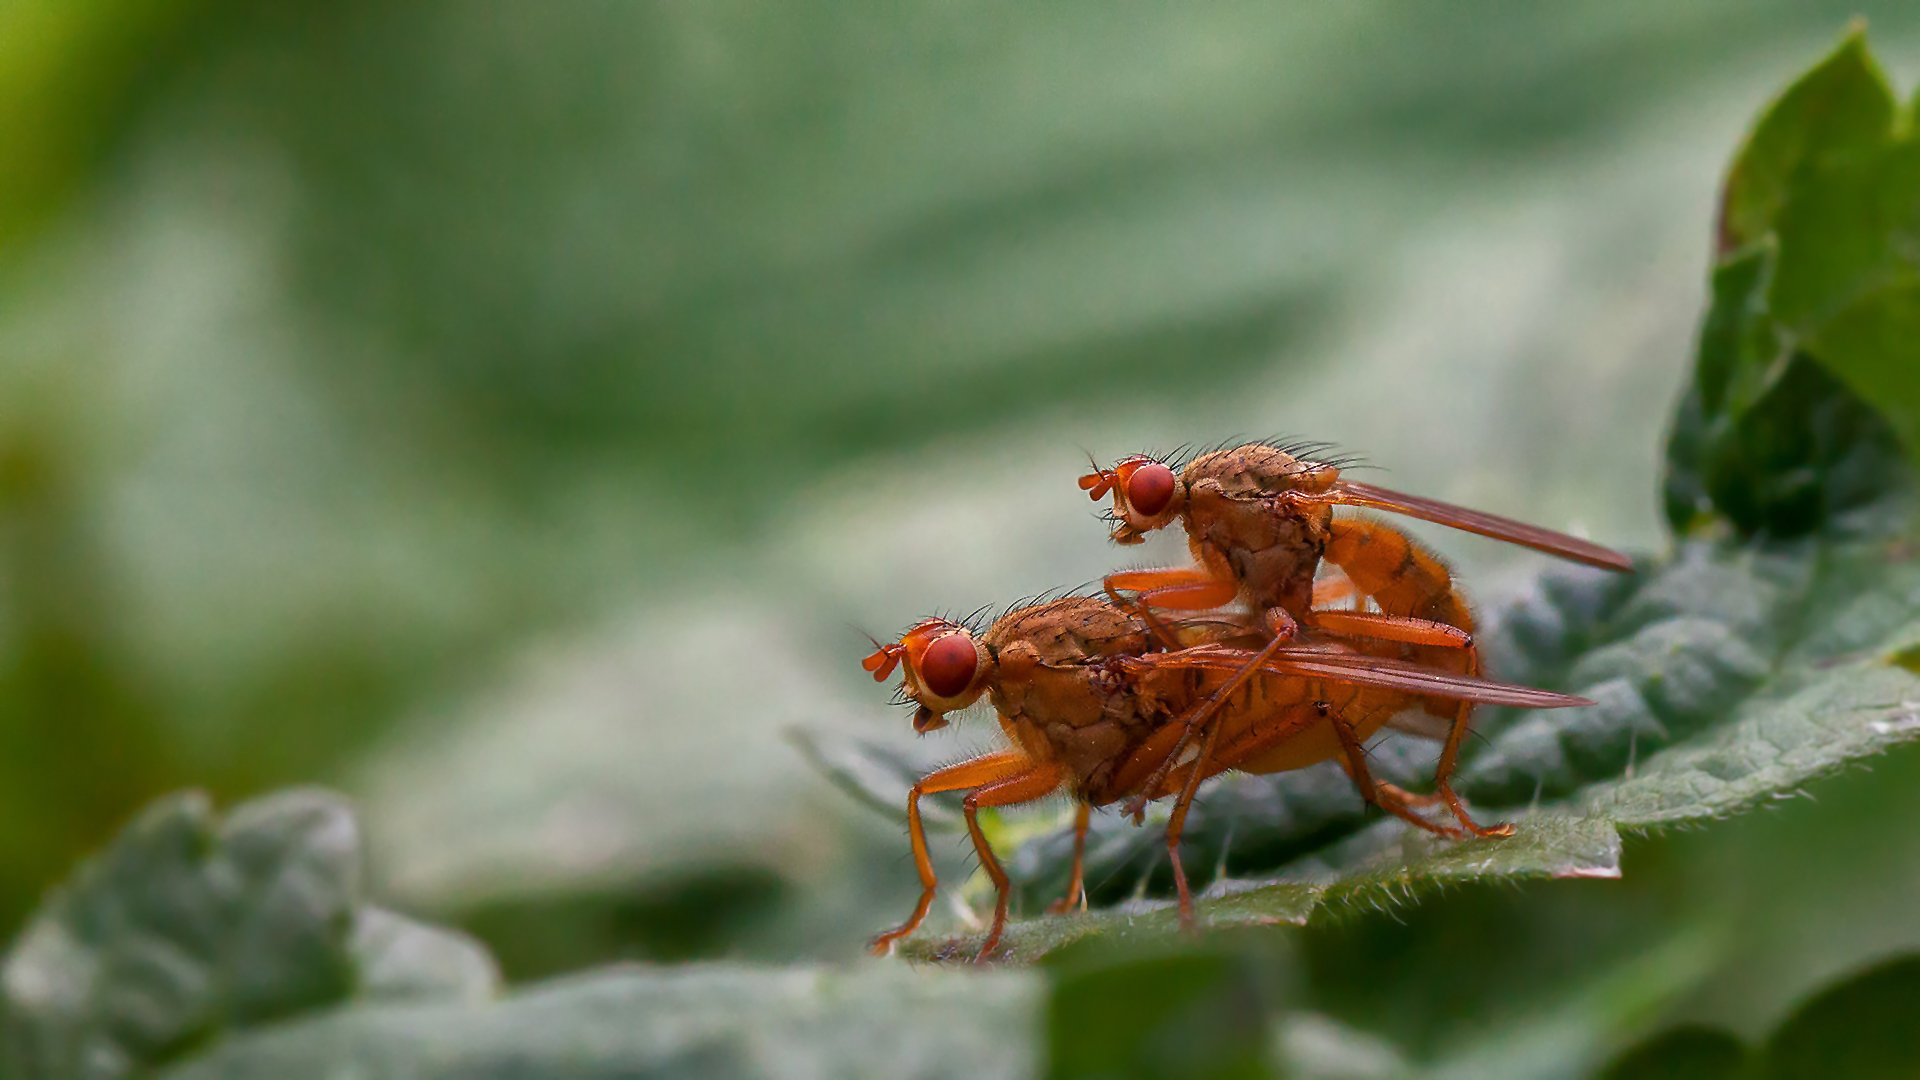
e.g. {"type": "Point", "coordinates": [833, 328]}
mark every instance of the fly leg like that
{"type": "Point", "coordinates": [1394, 791]}
{"type": "Point", "coordinates": [1401, 628]}
{"type": "Point", "coordinates": [1411, 631]}
{"type": "Point", "coordinates": [1407, 798]}
{"type": "Point", "coordinates": [1038, 782]}
{"type": "Point", "coordinates": [1443, 776]}
{"type": "Point", "coordinates": [1370, 789]}
{"type": "Point", "coordinates": [1178, 823]}
{"type": "Point", "coordinates": [986, 769]}
{"type": "Point", "coordinates": [1183, 589]}
{"type": "Point", "coordinates": [1283, 629]}
{"type": "Point", "coordinates": [1077, 885]}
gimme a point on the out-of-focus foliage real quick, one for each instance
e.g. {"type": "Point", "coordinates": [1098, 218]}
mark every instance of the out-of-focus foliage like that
{"type": "Point", "coordinates": [1860, 1029]}
{"type": "Point", "coordinates": [72, 79]}
{"type": "Point", "coordinates": [192, 940]}
{"type": "Point", "coordinates": [173, 950]}
{"type": "Point", "coordinates": [702, 1021]}
{"type": "Point", "coordinates": [189, 928]}
{"type": "Point", "coordinates": [1193, 1012]}
{"type": "Point", "coordinates": [1687, 1052]}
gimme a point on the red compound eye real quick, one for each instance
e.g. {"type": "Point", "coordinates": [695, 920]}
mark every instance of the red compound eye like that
{"type": "Point", "coordinates": [1150, 489]}
{"type": "Point", "coordinates": [947, 667]}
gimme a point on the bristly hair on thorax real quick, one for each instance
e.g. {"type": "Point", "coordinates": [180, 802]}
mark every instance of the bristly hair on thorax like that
{"type": "Point", "coordinates": [1317, 451]}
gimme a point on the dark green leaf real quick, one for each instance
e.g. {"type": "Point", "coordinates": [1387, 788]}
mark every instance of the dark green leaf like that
{"type": "Point", "coordinates": [1766, 438]}
{"type": "Point", "coordinates": [1192, 1013]}
{"type": "Point", "coordinates": [1685, 1053]}
{"type": "Point", "coordinates": [1862, 1029]}
{"type": "Point", "coordinates": [1826, 194]}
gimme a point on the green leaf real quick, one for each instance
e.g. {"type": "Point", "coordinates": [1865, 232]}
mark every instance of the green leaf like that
{"type": "Point", "coordinates": [189, 926]}
{"type": "Point", "coordinates": [1838, 109]}
{"type": "Point", "coordinates": [1861, 1029]}
{"type": "Point", "coordinates": [1684, 1053]}
{"type": "Point", "coordinates": [1766, 438]}
{"type": "Point", "coordinates": [1382, 865]}
{"type": "Point", "coordinates": [1187, 1013]}
{"type": "Point", "coordinates": [1822, 212]}
{"type": "Point", "coordinates": [398, 957]}
{"type": "Point", "coordinates": [876, 774]}
{"type": "Point", "coordinates": [703, 1020]}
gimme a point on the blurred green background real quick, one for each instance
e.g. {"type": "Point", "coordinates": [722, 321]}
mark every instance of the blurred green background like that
{"type": "Point", "coordinates": [512, 413]}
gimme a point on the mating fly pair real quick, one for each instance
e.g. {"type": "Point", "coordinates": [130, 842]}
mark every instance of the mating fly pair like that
{"type": "Point", "coordinates": [1116, 699]}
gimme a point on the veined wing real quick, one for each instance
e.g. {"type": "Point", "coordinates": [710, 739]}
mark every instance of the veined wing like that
{"type": "Point", "coordinates": [1361, 670]}
{"type": "Point", "coordinates": [1349, 493]}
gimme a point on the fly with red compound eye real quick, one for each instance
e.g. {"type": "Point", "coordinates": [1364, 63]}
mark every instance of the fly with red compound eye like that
{"type": "Point", "coordinates": [1092, 706]}
{"type": "Point", "coordinates": [1259, 522]}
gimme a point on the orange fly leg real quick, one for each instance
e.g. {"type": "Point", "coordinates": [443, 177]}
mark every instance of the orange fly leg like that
{"type": "Point", "coordinates": [1041, 780]}
{"type": "Point", "coordinates": [1283, 629]}
{"type": "Point", "coordinates": [1174, 588]}
{"type": "Point", "coordinates": [1405, 797]}
{"type": "Point", "coordinates": [1402, 628]}
{"type": "Point", "coordinates": [1370, 790]}
{"type": "Point", "coordinates": [1076, 885]}
{"type": "Point", "coordinates": [1404, 580]}
{"type": "Point", "coordinates": [987, 769]}
{"type": "Point", "coordinates": [1186, 588]}
{"type": "Point", "coordinates": [1147, 760]}
{"type": "Point", "coordinates": [1282, 724]}
{"type": "Point", "coordinates": [1443, 778]}
{"type": "Point", "coordinates": [1177, 823]}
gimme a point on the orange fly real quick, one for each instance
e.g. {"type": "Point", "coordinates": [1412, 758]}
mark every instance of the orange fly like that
{"type": "Point", "coordinates": [1095, 706]}
{"type": "Point", "coordinates": [1259, 522]}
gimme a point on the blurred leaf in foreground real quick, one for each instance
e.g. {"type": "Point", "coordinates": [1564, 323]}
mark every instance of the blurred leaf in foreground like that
{"type": "Point", "coordinates": [1860, 1028]}
{"type": "Point", "coordinates": [1688, 1053]}
{"type": "Point", "coordinates": [190, 933]}
{"type": "Point", "coordinates": [698, 1021]}
{"type": "Point", "coordinates": [1186, 1013]}
{"type": "Point", "coordinates": [189, 927]}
